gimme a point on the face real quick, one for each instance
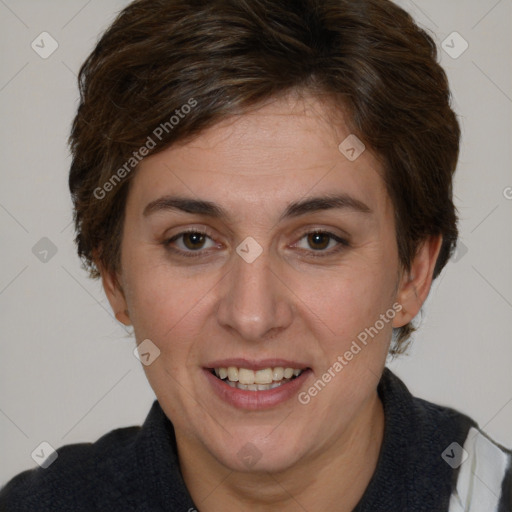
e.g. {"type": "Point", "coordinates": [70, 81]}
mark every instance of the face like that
{"type": "Point", "coordinates": [256, 247]}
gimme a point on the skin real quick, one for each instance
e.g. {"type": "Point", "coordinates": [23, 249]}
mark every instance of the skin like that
{"type": "Point", "coordinates": [286, 304]}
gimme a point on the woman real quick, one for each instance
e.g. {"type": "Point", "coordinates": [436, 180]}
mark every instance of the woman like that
{"type": "Point", "coordinates": [265, 190]}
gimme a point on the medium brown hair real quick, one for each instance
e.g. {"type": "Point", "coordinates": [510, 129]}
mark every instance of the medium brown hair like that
{"type": "Point", "coordinates": [225, 56]}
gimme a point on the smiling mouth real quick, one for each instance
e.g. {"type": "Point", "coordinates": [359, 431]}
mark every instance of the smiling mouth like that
{"type": "Point", "coordinates": [256, 380]}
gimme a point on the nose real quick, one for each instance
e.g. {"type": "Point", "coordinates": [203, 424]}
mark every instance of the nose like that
{"type": "Point", "coordinates": [254, 302]}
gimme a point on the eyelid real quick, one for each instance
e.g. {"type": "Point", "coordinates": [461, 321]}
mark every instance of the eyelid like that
{"type": "Point", "coordinates": [342, 242]}
{"type": "Point", "coordinates": [200, 252]}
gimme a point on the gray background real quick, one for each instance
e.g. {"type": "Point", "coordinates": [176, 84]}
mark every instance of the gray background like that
{"type": "Point", "coordinates": [67, 371]}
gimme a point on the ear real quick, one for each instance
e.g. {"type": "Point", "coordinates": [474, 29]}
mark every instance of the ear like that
{"type": "Point", "coordinates": [415, 285]}
{"type": "Point", "coordinates": [115, 294]}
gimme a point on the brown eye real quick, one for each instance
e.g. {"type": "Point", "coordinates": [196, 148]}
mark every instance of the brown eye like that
{"type": "Point", "coordinates": [322, 243]}
{"type": "Point", "coordinates": [194, 240]}
{"type": "Point", "coordinates": [318, 241]}
{"type": "Point", "coordinates": [189, 243]}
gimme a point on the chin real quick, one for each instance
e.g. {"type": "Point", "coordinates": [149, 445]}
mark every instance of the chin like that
{"type": "Point", "coordinates": [254, 453]}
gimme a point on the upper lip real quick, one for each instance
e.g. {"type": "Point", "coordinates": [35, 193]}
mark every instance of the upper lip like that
{"type": "Point", "coordinates": [256, 365]}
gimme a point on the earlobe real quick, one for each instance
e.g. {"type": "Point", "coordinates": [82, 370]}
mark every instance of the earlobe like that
{"type": "Point", "coordinates": [123, 317]}
{"type": "Point", "coordinates": [415, 285]}
{"type": "Point", "coordinates": [115, 295]}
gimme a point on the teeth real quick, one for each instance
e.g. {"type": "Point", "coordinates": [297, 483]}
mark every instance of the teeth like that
{"type": "Point", "coordinates": [263, 376]}
{"type": "Point", "coordinates": [278, 373]}
{"type": "Point", "coordinates": [256, 387]}
{"type": "Point", "coordinates": [245, 376]}
{"type": "Point", "coordinates": [256, 380]}
{"type": "Point", "coordinates": [233, 374]}
{"type": "Point", "coordinates": [288, 373]}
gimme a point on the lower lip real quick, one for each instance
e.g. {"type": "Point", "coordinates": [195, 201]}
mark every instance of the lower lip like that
{"type": "Point", "coordinates": [256, 400]}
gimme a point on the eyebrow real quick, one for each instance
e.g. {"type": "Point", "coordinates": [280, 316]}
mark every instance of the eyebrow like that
{"type": "Point", "coordinates": [295, 209]}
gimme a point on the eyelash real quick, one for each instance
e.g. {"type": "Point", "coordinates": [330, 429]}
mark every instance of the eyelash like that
{"type": "Point", "coordinates": [342, 244]}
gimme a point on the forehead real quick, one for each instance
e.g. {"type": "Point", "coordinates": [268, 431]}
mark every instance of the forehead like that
{"type": "Point", "coordinates": [273, 154]}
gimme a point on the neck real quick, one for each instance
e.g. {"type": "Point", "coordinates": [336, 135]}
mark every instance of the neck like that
{"type": "Point", "coordinates": [334, 478]}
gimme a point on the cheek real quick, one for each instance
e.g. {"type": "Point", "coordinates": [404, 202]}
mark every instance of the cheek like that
{"type": "Point", "coordinates": [174, 305]}
{"type": "Point", "coordinates": [166, 306]}
{"type": "Point", "coordinates": [353, 340]}
{"type": "Point", "coordinates": [347, 301]}
{"type": "Point", "coordinates": [170, 311]}
{"type": "Point", "coordinates": [350, 305]}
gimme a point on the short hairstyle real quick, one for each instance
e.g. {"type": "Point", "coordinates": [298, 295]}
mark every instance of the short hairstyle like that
{"type": "Point", "coordinates": [165, 70]}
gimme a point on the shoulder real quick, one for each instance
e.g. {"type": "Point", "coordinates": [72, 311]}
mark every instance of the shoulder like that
{"type": "Point", "coordinates": [77, 477]}
{"type": "Point", "coordinates": [128, 469]}
{"type": "Point", "coordinates": [445, 458]}
{"type": "Point", "coordinates": [421, 422]}
{"type": "Point", "coordinates": [481, 467]}
{"type": "Point", "coordinates": [484, 480]}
